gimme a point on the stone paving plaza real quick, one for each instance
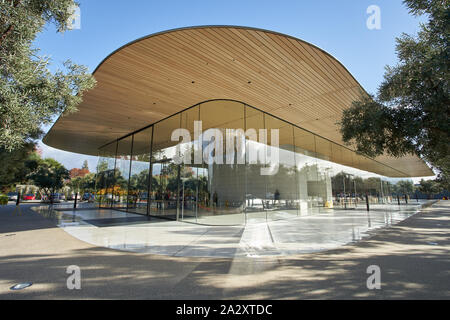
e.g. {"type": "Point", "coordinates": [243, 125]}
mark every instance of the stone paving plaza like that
{"type": "Point", "coordinates": [304, 234]}
{"type": "Point", "coordinates": [413, 256]}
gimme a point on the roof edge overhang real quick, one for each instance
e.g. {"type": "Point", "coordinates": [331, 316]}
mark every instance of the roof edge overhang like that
{"type": "Point", "coordinates": [48, 139]}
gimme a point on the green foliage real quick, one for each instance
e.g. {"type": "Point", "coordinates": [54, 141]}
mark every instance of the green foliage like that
{"type": "Point", "coordinates": [410, 114]}
{"type": "Point", "coordinates": [30, 95]}
{"type": "Point", "coordinates": [404, 187]}
{"type": "Point", "coordinates": [429, 187]}
{"type": "Point", "coordinates": [82, 184]}
{"type": "Point", "coordinates": [17, 165]}
{"type": "Point", "coordinates": [105, 178]}
{"type": "Point", "coordinates": [443, 178]}
{"type": "Point", "coordinates": [75, 184]}
{"type": "Point", "coordinates": [376, 128]}
{"type": "Point", "coordinates": [3, 200]}
{"type": "Point", "coordinates": [49, 176]}
{"type": "Point", "coordinates": [88, 182]}
{"type": "Point", "coordinates": [100, 199]}
{"type": "Point", "coordinates": [102, 165]}
{"type": "Point", "coordinates": [173, 184]}
{"type": "Point", "coordinates": [85, 165]}
{"type": "Point", "coordinates": [139, 182]}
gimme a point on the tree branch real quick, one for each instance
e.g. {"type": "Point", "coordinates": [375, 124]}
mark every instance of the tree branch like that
{"type": "Point", "coordinates": [11, 27]}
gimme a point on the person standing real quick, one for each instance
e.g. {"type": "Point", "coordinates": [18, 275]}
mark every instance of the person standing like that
{"type": "Point", "coordinates": [277, 196]}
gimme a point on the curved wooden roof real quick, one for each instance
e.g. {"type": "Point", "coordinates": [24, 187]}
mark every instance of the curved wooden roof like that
{"type": "Point", "coordinates": [156, 76]}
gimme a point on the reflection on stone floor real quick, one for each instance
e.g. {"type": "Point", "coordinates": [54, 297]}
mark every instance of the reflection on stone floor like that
{"type": "Point", "coordinates": [283, 233]}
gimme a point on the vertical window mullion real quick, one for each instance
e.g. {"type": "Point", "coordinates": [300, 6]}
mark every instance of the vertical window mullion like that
{"type": "Point", "coordinates": [129, 171]}
{"type": "Point", "coordinates": [150, 174]}
{"type": "Point", "coordinates": [114, 174]}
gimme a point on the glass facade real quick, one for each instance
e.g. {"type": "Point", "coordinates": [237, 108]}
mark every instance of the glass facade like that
{"type": "Point", "coordinates": [223, 162]}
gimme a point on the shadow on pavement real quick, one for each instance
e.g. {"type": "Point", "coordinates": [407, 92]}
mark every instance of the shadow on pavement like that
{"type": "Point", "coordinates": [413, 257]}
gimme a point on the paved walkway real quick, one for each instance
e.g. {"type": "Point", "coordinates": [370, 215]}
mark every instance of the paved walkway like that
{"type": "Point", "coordinates": [413, 256]}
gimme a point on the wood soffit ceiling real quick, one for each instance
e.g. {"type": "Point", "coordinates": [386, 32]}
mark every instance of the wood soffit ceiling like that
{"type": "Point", "coordinates": [159, 75]}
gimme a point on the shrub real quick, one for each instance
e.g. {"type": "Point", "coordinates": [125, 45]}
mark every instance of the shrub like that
{"type": "Point", "coordinates": [3, 200]}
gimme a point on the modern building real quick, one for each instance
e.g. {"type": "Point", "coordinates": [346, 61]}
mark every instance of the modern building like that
{"type": "Point", "coordinates": [236, 81]}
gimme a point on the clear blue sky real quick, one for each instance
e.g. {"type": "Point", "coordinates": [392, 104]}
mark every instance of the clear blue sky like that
{"type": "Point", "coordinates": [337, 26]}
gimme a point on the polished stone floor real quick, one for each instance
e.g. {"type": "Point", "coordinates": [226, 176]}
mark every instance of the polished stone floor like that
{"type": "Point", "coordinates": [303, 234]}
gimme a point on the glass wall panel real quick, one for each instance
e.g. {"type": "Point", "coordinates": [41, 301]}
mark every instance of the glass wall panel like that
{"type": "Point", "coordinates": [373, 189]}
{"type": "Point", "coordinates": [139, 175]}
{"type": "Point", "coordinates": [314, 174]}
{"type": "Point", "coordinates": [364, 163]}
{"type": "Point", "coordinates": [231, 172]}
{"type": "Point", "coordinates": [347, 159]}
{"type": "Point", "coordinates": [358, 183]}
{"type": "Point", "coordinates": [190, 188]}
{"type": "Point", "coordinates": [342, 175]}
{"type": "Point", "coordinates": [166, 172]}
{"type": "Point", "coordinates": [323, 148]}
{"type": "Point", "coordinates": [122, 173]}
{"type": "Point", "coordinates": [222, 174]}
{"type": "Point", "coordinates": [309, 187]}
{"type": "Point", "coordinates": [282, 189]}
{"type": "Point", "coordinates": [328, 176]}
{"type": "Point", "coordinates": [339, 179]}
{"type": "Point", "coordinates": [105, 175]}
{"type": "Point", "coordinates": [256, 197]}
